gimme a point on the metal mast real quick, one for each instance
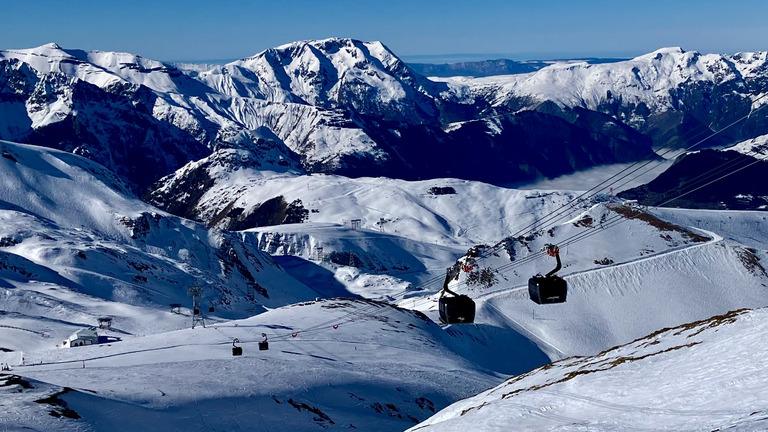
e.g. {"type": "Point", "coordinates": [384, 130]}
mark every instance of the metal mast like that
{"type": "Point", "coordinates": [196, 291]}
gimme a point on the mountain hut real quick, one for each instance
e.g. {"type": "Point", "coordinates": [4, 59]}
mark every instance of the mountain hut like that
{"type": "Point", "coordinates": [85, 336]}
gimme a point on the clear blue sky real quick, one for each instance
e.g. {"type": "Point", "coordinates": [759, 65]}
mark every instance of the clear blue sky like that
{"type": "Point", "coordinates": [229, 29]}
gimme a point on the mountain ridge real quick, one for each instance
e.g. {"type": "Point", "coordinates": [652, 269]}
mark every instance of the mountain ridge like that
{"type": "Point", "coordinates": [655, 368]}
{"type": "Point", "coordinates": [341, 105]}
{"type": "Point", "coordinates": [59, 274]}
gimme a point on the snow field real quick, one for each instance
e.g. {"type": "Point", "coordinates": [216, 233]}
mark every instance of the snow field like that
{"type": "Point", "coordinates": [706, 376]}
{"type": "Point", "coordinates": [382, 368]}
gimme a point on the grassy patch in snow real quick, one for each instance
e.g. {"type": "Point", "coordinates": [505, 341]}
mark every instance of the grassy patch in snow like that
{"type": "Point", "coordinates": [635, 213]}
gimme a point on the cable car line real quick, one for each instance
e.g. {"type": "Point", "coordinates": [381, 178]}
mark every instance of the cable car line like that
{"type": "Point", "coordinates": [558, 285]}
{"type": "Point", "coordinates": [617, 219]}
{"type": "Point", "coordinates": [611, 222]}
{"type": "Point", "coordinates": [567, 208]}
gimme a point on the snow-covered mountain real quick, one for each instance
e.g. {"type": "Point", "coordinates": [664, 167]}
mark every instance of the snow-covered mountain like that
{"type": "Point", "coordinates": [485, 68]}
{"type": "Point", "coordinates": [353, 108]}
{"type": "Point", "coordinates": [76, 246]}
{"type": "Point", "coordinates": [71, 232]}
{"type": "Point", "coordinates": [711, 179]}
{"type": "Point", "coordinates": [675, 96]}
{"type": "Point", "coordinates": [338, 105]}
{"type": "Point", "coordinates": [423, 153]}
{"type": "Point", "coordinates": [704, 375]}
{"type": "Point", "coordinates": [361, 77]}
{"type": "Point", "coordinates": [255, 206]}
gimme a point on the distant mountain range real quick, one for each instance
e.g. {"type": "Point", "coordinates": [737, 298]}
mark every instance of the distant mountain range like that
{"type": "Point", "coordinates": [227, 158]}
{"type": "Point", "coordinates": [484, 68]}
{"type": "Point", "coordinates": [354, 108]}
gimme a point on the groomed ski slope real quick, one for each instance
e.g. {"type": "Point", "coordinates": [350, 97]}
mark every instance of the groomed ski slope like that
{"type": "Point", "coordinates": [76, 245]}
{"type": "Point", "coordinates": [382, 368]}
{"type": "Point", "coordinates": [174, 376]}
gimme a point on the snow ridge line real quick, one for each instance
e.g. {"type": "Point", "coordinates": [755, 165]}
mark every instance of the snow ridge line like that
{"type": "Point", "coordinates": [715, 238]}
{"type": "Point", "coordinates": [533, 336]}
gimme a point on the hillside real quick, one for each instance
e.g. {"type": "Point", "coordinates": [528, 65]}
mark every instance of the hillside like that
{"type": "Point", "coordinates": [318, 191]}
{"type": "Point", "coordinates": [354, 108]}
{"type": "Point", "coordinates": [704, 375]}
{"type": "Point", "coordinates": [75, 244]}
{"type": "Point", "coordinates": [711, 179]}
{"type": "Point", "coordinates": [382, 369]}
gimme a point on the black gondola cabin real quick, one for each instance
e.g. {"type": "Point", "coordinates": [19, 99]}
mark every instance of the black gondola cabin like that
{"type": "Point", "coordinates": [547, 289]}
{"type": "Point", "coordinates": [457, 309]}
{"type": "Point", "coordinates": [264, 345]}
{"type": "Point", "coordinates": [236, 350]}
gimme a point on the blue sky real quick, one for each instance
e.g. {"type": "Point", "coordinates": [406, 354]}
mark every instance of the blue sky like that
{"type": "Point", "coordinates": [228, 29]}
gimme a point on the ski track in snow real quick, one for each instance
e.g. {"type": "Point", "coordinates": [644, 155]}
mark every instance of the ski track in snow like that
{"type": "Point", "coordinates": [164, 370]}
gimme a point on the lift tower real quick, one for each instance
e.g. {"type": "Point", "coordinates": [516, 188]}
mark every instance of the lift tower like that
{"type": "Point", "coordinates": [196, 291]}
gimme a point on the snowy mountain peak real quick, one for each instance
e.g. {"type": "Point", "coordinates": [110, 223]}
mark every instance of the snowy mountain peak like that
{"type": "Point", "coordinates": [50, 46]}
{"type": "Point", "coordinates": [100, 68]}
{"type": "Point", "coordinates": [665, 81]}
{"type": "Point", "coordinates": [41, 58]}
{"type": "Point", "coordinates": [756, 147]}
{"type": "Point", "coordinates": [329, 45]}
{"type": "Point", "coordinates": [663, 51]}
{"type": "Point", "coordinates": [315, 42]}
{"type": "Point", "coordinates": [335, 73]}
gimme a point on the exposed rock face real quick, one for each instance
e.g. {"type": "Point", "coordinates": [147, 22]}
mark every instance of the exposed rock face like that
{"type": "Point", "coordinates": [675, 96]}
{"type": "Point", "coordinates": [353, 108]}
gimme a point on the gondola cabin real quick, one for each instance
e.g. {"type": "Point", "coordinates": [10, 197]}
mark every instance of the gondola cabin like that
{"type": "Point", "coordinates": [547, 289]}
{"type": "Point", "coordinates": [457, 309]}
{"type": "Point", "coordinates": [236, 350]}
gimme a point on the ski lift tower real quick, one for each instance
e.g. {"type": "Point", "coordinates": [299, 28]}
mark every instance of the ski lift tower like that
{"type": "Point", "coordinates": [251, 297]}
{"type": "Point", "coordinates": [196, 291]}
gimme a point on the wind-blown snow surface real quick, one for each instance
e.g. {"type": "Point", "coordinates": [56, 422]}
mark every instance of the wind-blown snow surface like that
{"type": "Point", "coordinates": [707, 375]}
{"type": "Point", "coordinates": [382, 368]}
{"type": "Point", "coordinates": [76, 245]}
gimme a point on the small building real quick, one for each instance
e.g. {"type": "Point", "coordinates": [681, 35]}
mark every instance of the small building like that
{"type": "Point", "coordinates": [105, 323]}
{"type": "Point", "coordinates": [85, 336]}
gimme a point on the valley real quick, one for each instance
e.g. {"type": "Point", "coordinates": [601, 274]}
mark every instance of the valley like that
{"type": "Point", "coordinates": [318, 192]}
